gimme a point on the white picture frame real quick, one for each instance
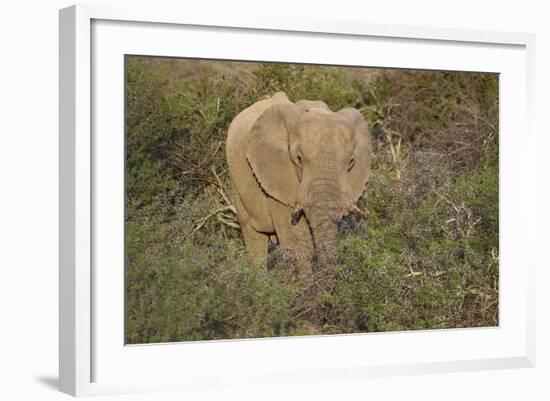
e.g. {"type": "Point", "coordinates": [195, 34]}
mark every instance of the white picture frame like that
{"type": "Point", "coordinates": [91, 40]}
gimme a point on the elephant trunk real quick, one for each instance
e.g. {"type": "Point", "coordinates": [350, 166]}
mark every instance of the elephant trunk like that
{"type": "Point", "coordinates": [325, 242]}
{"type": "Point", "coordinates": [324, 210]}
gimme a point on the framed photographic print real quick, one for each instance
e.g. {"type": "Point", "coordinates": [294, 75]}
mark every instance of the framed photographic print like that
{"type": "Point", "coordinates": [280, 200]}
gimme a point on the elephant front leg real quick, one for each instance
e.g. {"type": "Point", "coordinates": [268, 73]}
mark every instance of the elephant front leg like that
{"type": "Point", "coordinates": [256, 242]}
{"type": "Point", "coordinates": [293, 238]}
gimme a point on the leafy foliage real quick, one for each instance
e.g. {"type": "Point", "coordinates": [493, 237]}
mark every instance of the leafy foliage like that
{"type": "Point", "coordinates": [426, 258]}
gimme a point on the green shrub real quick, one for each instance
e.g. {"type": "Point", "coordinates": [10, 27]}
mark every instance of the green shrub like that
{"type": "Point", "coordinates": [424, 270]}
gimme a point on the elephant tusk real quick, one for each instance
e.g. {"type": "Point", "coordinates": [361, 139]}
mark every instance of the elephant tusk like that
{"type": "Point", "coordinates": [297, 213]}
{"type": "Point", "coordinates": [358, 213]}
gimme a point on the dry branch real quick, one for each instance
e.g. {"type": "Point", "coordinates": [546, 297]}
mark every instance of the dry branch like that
{"type": "Point", "coordinates": [221, 191]}
{"type": "Point", "coordinates": [227, 219]}
{"type": "Point", "coordinates": [203, 220]}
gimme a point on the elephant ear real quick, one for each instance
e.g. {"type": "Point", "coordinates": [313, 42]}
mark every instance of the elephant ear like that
{"type": "Point", "coordinates": [268, 152]}
{"type": "Point", "coordinates": [357, 177]}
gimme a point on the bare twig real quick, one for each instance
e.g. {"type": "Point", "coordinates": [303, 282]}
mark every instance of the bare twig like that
{"type": "Point", "coordinates": [472, 226]}
{"type": "Point", "coordinates": [395, 151]}
{"type": "Point", "coordinates": [463, 218]}
{"type": "Point", "coordinates": [203, 220]}
{"type": "Point", "coordinates": [221, 191]}
{"type": "Point", "coordinates": [413, 273]}
{"type": "Point", "coordinates": [222, 219]}
{"type": "Point", "coordinates": [358, 213]}
{"type": "Point", "coordinates": [221, 216]}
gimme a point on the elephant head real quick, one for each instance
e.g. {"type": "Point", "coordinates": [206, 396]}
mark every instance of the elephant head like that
{"type": "Point", "coordinates": [313, 160]}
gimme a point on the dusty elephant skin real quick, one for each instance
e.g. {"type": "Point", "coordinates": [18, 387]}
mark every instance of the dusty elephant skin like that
{"type": "Point", "coordinates": [296, 169]}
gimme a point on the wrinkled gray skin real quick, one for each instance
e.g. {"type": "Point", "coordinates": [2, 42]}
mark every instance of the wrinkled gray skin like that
{"type": "Point", "coordinates": [296, 170]}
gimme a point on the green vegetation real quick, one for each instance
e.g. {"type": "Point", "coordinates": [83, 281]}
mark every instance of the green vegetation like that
{"type": "Point", "coordinates": [426, 257]}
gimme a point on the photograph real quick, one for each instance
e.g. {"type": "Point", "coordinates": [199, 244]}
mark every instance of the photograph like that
{"type": "Point", "coordinates": [280, 199]}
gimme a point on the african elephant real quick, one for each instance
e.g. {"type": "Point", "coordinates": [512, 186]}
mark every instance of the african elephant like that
{"type": "Point", "coordinates": [296, 170]}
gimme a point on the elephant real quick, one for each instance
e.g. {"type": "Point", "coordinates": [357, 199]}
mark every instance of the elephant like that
{"type": "Point", "coordinates": [296, 170]}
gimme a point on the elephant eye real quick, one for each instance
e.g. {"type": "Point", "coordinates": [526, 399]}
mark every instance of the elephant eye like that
{"type": "Point", "coordinates": [351, 163]}
{"type": "Point", "coordinates": [299, 159]}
